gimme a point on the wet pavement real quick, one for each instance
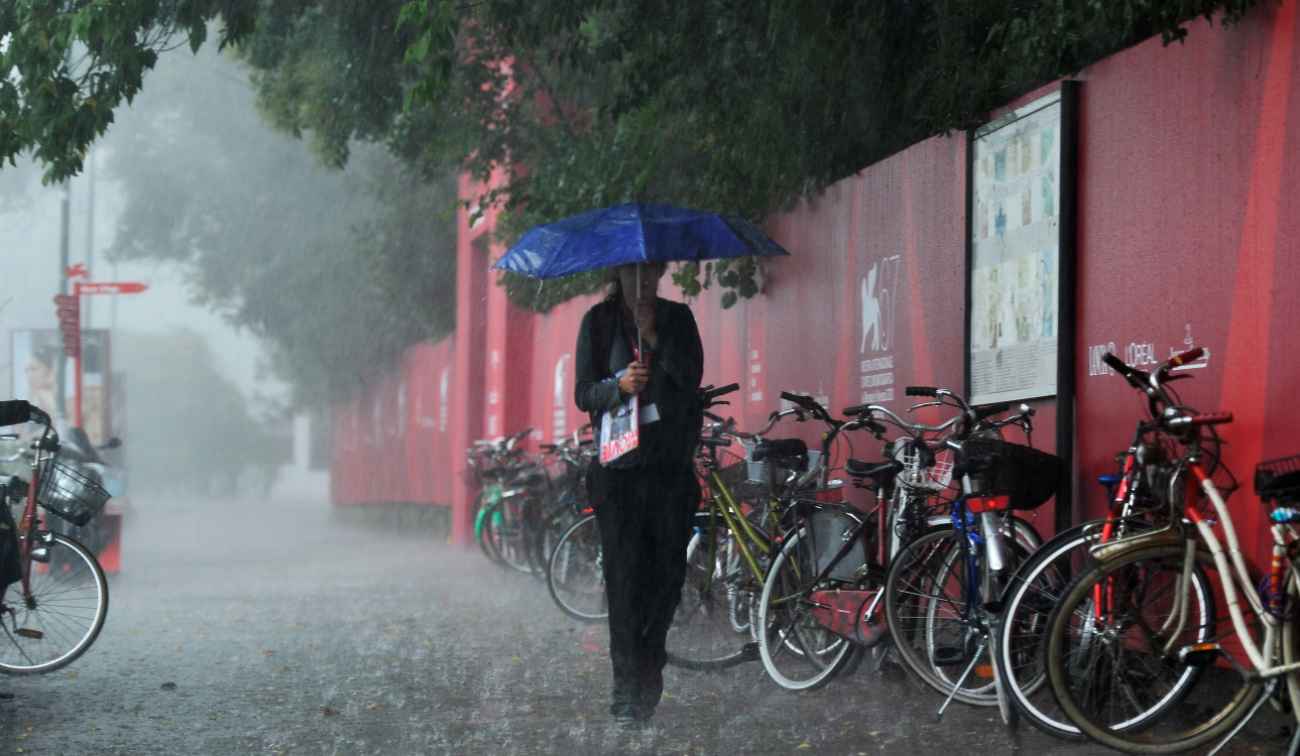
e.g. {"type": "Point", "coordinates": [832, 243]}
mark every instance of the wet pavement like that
{"type": "Point", "coordinates": [276, 627]}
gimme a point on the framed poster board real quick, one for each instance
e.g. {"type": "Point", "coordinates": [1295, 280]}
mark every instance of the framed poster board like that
{"type": "Point", "coordinates": [1020, 232]}
{"type": "Point", "coordinates": [1020, 251]}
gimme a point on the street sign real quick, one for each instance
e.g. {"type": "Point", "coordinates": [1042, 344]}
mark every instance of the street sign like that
{"type": "Point", "coordinates": [111, 287]}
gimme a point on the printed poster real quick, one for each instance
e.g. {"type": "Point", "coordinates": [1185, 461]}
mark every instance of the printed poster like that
{"type": "Point", "coordinates": [1015, 254]}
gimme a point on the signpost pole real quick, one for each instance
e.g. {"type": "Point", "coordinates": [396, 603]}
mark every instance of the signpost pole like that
{"type": "Point", "coordinates": [76, 360]}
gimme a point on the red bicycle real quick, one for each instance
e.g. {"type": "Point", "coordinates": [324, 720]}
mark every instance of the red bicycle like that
{"type": "Point", "coordinates": [55, 610]}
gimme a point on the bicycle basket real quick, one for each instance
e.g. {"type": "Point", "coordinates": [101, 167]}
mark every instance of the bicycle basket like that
{"type": "Point", "coordinates": [932, 477]}
{"type": "Point", "coordinates": [74, 494]}
{"type": "Point", "coordinates": [1278, 479]}
{"type": "Point", "coordinates": [746, 480]}
{"type": "Point", "coordinates": [1029, 476]}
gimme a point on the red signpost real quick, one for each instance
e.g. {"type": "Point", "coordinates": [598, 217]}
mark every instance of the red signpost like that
{"type": "Point", "coordinates": [69, 309]}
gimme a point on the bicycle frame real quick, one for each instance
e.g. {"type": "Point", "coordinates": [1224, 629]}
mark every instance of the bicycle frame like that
{"type": "Point", "coordinates": [31, 519]}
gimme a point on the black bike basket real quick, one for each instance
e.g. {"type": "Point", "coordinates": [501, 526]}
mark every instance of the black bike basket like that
{"type": "Point", "coordinates": [1278, 479]}
{"type": "Point", "coordinates": [70, 492]}
{"type": "Point", "coordinates": [1000, 468]}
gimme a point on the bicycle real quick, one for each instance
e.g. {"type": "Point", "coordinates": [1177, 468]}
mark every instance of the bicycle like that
{"type": "Point", "coordinates": [1120, 641]}
{"type": "Point", "coordinates": [1039, 584]}
{"type": "Point", "coordinates": [55, 611]}
{"type": "Point", "coordinates": [823, 578]}
{"type": "Point", "coordinates": [575, 569]}
{"type": "Point", "coordinates": [729, 551]}
{"type": "Point", "coordinates": [941, 590]}
{"type": "Point", "coordinates": [501, 525]}
{"type": "Point", "coordinates": [575, 575]}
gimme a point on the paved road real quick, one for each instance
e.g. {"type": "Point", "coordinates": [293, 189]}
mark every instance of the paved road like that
{"type": "Point", "coordinates": [272, 627]}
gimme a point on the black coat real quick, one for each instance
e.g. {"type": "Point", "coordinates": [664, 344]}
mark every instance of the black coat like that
{"type": "Point", "coordinates": [676, 367]}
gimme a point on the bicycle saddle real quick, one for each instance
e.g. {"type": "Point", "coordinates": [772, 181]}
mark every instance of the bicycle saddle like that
{"type": "Point", "coordinates": [879, 472]}
{"type": "Point", "coordinates": [779, 449]}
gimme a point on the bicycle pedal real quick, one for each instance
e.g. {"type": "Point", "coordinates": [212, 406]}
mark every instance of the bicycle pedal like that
{"type": "Point", "coordinates": [41, 554]}
{"type": "Point", "coordinates": [27, 632]}
{"type": "Point", "coordinates": [749, 652]}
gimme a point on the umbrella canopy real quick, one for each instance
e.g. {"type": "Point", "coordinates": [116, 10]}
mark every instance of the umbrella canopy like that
{"type": "Point", "coordinates": [633, 233]}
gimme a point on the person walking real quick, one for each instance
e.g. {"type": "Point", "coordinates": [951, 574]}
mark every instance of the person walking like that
{"type": "Point", "coordinates": [636, 343]}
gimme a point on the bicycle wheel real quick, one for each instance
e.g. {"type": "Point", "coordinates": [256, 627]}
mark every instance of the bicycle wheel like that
{"type": "Point", "coordinates": [575, 574]}
{"type": "Point", "coordinates": [534, 537]}
{"type": "Point", "coordinates": [938, 621]}
{"type": "Point", "coordinates": [1036, 589]}
{"type": "Point", "coordinates": [505, 531]}
{"type": "Point", "coordinates": [797, 652]}
{"type": "Point", "coordinates": [1109, 670]}
{"type": "Point", "coordinates": [708, 631]}
{"type": "Point", "coordinates": [52, 625]}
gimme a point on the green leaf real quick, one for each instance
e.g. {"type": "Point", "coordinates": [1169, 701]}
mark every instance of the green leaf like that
{"type": "Point", "coordinates": [198, 34]}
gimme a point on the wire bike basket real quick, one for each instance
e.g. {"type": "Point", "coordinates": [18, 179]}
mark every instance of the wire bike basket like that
{"type": "Point", "coordinates": [1000, 468]}
{"type": "Point", "coordinates": [70, 492]}
{"type": "Point", "coordinates": [926, 469]}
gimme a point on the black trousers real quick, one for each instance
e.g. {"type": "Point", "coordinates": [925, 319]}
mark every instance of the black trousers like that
{"type": "Point", "coordinates": [645, 523]}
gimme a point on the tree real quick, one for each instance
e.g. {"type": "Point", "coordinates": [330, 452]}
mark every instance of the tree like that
{"type": "Point", "coordinates": [338, 271]}
{"type": "Point", "coordinates": [66, 67]}
{"type": "Point", "coordinates": [742, 106]}
{"type": "Point", "coordinates": [190, 427]}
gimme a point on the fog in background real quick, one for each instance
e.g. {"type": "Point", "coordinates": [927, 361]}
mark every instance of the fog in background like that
{"type": "Point", "coordinates": [204, 408]}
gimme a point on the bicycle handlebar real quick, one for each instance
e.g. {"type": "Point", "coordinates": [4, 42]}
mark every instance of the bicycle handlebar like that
{"type": "Point", "coordinates": [1153, 384]}
{"type": "Point", "coordinates": [1196, 421]}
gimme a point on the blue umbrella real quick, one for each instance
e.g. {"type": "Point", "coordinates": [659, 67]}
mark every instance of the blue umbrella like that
{"type": "Point", "coordinates": [633, 233]}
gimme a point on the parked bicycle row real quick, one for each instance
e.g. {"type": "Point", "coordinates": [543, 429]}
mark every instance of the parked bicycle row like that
{"type": "Point", "coordinates": [1109, 630]}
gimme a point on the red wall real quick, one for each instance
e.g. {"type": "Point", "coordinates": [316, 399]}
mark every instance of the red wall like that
{"type": "Point", "coordinates": [1189, 223]}
{"type": "Point", "coordinates": [1187, 184]}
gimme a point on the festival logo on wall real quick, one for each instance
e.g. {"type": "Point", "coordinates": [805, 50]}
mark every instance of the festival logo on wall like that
{"type": "Point", "coordinates": [559, 403]}
{"type": "Point", "coordinates": [444, 385]}
{"type": "Point", "coordinates": [398, 425]}
{"type": "Point", "coordinates": [878, 299]}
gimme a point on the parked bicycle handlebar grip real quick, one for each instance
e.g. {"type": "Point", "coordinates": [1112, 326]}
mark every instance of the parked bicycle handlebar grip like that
{"type": "Point", "coordinates": [711, 393]}
{"type": "Point", "coordinates": [1195, 421]}
{"type": "Point", "coordinates": [1136, 378]}
{"type": "Point", "coordinates": [1191, 355]}
{"type": "Point", "coordinates": [989, 410]}
{"type": "Point", "coordinates": [15, 412]}
{"type": "Point", "coordinates": [921, 391]}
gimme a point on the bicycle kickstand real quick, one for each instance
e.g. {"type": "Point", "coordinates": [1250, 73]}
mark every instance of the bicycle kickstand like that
{"type": "Point", "coordinates": [960, 682]}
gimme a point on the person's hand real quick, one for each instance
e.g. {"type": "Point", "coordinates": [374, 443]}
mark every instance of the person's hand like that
{"type": "Point", "coordinates": [634, 380]}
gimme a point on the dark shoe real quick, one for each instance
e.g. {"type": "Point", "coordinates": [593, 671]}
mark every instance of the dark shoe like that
{"type": "Point", "coordinates": [651, 688]}
{"type": "Point", "coordinates": [628, 713]}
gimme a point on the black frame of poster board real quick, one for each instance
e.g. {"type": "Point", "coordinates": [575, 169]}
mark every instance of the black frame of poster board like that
{"type": "Point", "coordinates": [1065, 332]}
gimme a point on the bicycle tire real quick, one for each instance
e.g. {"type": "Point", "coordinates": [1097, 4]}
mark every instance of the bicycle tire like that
{"type": "Point", "coordinates": [506, 530]}
{"type": "Point", "coordinates": [1031, 594]}
{"type": "Point", "coordinates": [919, 581]}
{"type": "Point", "coordinates": [57, 581]}
{"type": "Point", "coordinates": [702, 636]}
{"type": "Point", "coordinates": [576, 564]}
{"type": "Point", "coordinates": [785, 628]}
{"type": "Point", "coordinates": [1066, 678]}
{"type": "Point", "coordinates": [487, 535]}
